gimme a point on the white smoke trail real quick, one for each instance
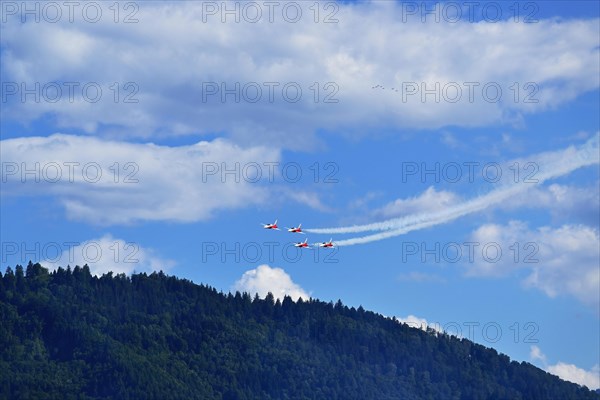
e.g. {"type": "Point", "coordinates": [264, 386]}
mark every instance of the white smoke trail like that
{"type": "Point", "coordinates": [478, 204]}
{"type": "Point", "coordinates": [551, 165]}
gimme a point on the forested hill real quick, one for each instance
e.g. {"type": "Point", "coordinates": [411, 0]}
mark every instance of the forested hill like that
{"type": "Point", "coordinates": [69, 335]}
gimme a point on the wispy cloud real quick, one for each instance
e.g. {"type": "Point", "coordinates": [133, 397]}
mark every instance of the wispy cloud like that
{"type": "Point", "coordinates": [421, 277]}
{"type": "Point", "coordinates": [535, 354]}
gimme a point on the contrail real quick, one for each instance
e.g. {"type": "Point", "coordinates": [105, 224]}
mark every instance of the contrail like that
{"type": "Point", "coordinates": [552, 165]}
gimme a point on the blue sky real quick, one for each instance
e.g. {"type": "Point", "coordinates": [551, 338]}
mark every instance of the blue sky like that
{"type": "Point", "coordinates": [133, 142]}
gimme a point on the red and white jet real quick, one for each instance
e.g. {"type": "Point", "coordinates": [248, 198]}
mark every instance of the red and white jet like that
{"type": "Point", "coordinates": [303, 245]}
{"type": "Point", "coordinates": [297, 229]}
{"type": "Point", "coordinates": [271, 226]}
{"type": "Point", "coordinates": [327, 244]}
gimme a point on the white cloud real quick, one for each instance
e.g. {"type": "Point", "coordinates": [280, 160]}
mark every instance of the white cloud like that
{"type": "Point", "coordinates": [363, 202]}
{"type": "Point", "coordinates": [137, 181]}
{"type": "Point", "coordinates": [420, 277]}
{"type": "Point", "coordinates": [265, 279]}
{"type": "Point", "coordinates": [535, 354]}
{"type": "Point", "coordinates": [430, 200]}
{"type": "Point", "coordinates": [421, 323]}
{"type": "Point", "coordinates": [568, 372]}
{"type": "Point", "coordinates": [557, 261]}
{"type": "Point", "coordinates": [170, 53]}
{"type": "Point", "coordinates": [450, 140]}
{"type": "Point", "coordinates": [109, 254]}
{"type": "Point", "coordinates": [310, 199]}
{"type": "Point", "coordinates": [572, 373]}
{"type": "Point", "coordinates": [565, 202]}
{"type": "Point", "coordinates": [415, 322]}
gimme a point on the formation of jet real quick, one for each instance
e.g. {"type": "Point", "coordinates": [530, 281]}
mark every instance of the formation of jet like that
{"type": "Point", "coordinates": [298, 229]}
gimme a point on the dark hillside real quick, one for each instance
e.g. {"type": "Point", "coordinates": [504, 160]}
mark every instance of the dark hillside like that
{"type": "Point", "coordinates": [69, 335]}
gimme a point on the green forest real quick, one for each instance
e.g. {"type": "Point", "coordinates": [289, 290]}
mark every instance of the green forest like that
{"type": "Point", "coordinates": [69, 335]}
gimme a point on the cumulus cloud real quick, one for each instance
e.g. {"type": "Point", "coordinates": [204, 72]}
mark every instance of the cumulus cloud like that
{"type": "Point", "coordinates": [114, 182]}
{"type": "Point", "coordinates": [415, 322]}
{"type": "Point", "coordinates": [265, 279]}
{"type": "Point", "coordinates": [572, 373]}
{"type": "Point", "coordinates": [422, 323]}
{"type": "Point", "coordinates": [109, 254]}
{"type": "Point", "coordinates": [557, 261]}
{"type": "Point", "coordinates": [173, 52]}
{"type": "Point", "coordinates": [568, 372]}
